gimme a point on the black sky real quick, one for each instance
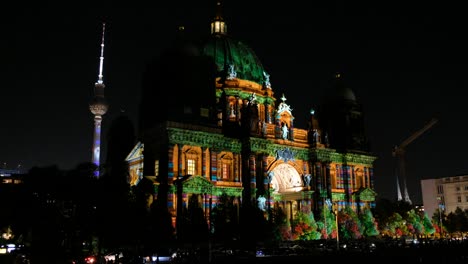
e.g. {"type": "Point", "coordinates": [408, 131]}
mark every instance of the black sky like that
{"type": "Point", "coordinates": [406, 64]}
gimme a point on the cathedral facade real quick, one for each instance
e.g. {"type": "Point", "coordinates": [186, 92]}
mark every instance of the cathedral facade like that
{"type": "Point", "coordinates": [218, 128]}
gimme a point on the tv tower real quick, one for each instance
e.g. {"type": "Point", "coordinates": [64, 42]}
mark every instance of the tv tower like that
{"type": "Point", "coordinates": [98, 107]}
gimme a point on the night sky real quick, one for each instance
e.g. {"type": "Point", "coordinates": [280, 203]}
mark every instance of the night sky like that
{"type": "Point", "coordinates": [406, 64]}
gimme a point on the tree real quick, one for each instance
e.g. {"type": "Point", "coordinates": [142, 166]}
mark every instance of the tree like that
{"type": "Point", "coordinates": [350, 226]}
{"type": "Point", "coordinates": [414, 223]}
{"type": "Point", "coordinates": [224, 220]}
{"type": "Point", "coordinates": [395, 227]}
{"type": "Point", "coordinates": [327, 223]}
{"type": "Point", "coordinates": [159, 232]}
{"type": "Point", "coordinates": [438, 220]}
{"type": "Point", "coordinates": [428, 225]}
{"type": "Point", "coordinates": [457, 221]}
{"type": "Point", "coordinates": [304, 226]}
{"type": "Point", "coordinates": [195, 227]}
{"type": "Point", "coordinates": [368, 223]}
{"type": "Point", "coordinates": [115, 202]}
{"type": "Point", "coordinates": [281, 225]}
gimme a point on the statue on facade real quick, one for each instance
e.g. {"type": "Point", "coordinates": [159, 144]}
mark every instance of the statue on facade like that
{"type": "Point", "coordinates": [232, 74]}
{"type": "Point", "coordinates": [316, 136]}
{"type": "Point", "coordinates": [267, 79]}
{"type": "Point", "coordinates": [261, 203]}
{"type": "Point", "coordinates": [285, 131]}
{"type": "Point", "coordinates": [307, 179]}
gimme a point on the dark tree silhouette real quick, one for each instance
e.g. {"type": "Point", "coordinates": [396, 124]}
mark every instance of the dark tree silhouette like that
{"type": "Point", "coordinates": [197, 232]}
{"type": "Point", "coordinates": [224, 220]}
{"type": "Point", "coordinates": [115, 203]}
{"type": "Point", "coordinates": [159, 232]}
{"type": "Point", "coordinates": [61, 212]}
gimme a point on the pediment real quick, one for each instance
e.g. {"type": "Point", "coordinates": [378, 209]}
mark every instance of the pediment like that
{"type": "Point", "coordinates": [197, 184]}
{"type": "Point", "coordinates": [136, 153]}
{"type": "Point", "coordinates": [366, 194]}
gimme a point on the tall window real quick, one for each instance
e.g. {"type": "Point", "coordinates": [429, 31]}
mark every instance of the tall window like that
{"type": "Point", "coordinates": [333, 178]}
{"type": "Point", "coordinates": [190, 166]}
{"type": "Point", "coordinates": [156, 167]}
{"type": "Point", "coordinates": [359, 179]}
{"type": "Point", "coordinates": [225, 171]}
{"type": "Point", "coordinates": [440, 189]}
{"type": "Point", "coordinates": [225, 166]}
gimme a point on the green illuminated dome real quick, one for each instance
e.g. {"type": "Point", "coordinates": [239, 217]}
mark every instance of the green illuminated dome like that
{"type": "Point", "coordinates": [228, 52]}
{"type": "Point", "coordinates": [232, 55]}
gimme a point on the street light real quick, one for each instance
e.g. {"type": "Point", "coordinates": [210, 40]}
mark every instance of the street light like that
{"type": "Point", "coordinates": [335, 211]}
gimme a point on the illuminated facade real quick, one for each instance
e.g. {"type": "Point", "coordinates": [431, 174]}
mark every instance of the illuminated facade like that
{"type": "Point", "coordinates": [222, 130]}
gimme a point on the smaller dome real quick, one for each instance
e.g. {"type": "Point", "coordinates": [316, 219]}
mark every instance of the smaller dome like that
{"type": "Point", "coordinates": [341, 92]}
{"type": "Point", "coordinates": [182, 46]}
{"type": "Point", "coordinates": [345, 93]}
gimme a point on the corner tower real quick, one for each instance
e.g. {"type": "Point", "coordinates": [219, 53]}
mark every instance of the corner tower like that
{"type": "Point", "coordinates": [98, 107]}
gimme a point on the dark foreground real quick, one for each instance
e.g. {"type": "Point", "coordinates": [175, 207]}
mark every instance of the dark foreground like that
{"type": "Point", "coordinates": [439, 253]}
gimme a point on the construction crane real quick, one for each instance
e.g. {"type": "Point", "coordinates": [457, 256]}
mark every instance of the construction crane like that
{"type": "Point", "coordinates": [400, 168]}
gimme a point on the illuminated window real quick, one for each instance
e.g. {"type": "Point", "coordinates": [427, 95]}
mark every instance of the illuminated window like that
{"type": "Point", "coordinates": [156, 167]}
{"type": "Point", "coordinates": [218, 27]}
{"type": "Point", "coordinates": [359, 179]}
{"type": "Point", "coordinates": [333, 178]}
{"type": "Point", "coordinates": [191, 160]}
{"type": "Point", "coordinates": [225, 171]}
{"type": "Point", "coordinates": [190, 167]}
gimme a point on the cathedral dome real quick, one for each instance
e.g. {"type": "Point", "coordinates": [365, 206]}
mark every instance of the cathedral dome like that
{"type": "Point", "coordinates": [228, 52]}
{"type": "Point", "coordinates": [232, 58]}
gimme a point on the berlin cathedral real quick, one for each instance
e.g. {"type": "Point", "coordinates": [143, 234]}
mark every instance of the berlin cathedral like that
{"type": "Point", "coordinates": [210, 124]}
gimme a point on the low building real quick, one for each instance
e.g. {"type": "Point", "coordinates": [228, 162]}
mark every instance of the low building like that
{"type": "Point", "coordinates": [448, 193]}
